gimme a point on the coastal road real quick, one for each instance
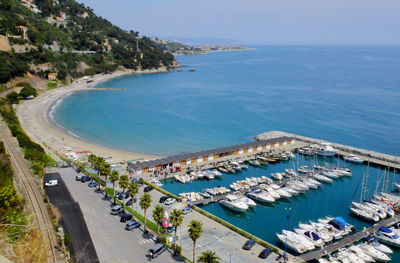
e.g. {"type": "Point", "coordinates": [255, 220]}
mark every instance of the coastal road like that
{"type": "Point", "coordinates": [30, 190]}
{"type": "Point", "coordinates": [112, 242]}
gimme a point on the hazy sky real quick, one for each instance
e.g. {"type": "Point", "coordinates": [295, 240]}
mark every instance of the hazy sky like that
{"type": "Point", "coordinates": [369, 22]}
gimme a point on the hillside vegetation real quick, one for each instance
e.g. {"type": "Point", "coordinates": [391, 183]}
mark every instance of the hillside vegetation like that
{"type": "Point", "coordinates": [67, 38]}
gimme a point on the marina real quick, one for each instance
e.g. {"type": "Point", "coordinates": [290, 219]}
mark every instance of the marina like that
{"type": "Point", "coordinates": [229, 203]}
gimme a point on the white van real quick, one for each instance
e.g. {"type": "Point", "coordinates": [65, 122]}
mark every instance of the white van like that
{"type": "Point", "coordinates": [116, 209]}
{"type": "Point", "coordinates": [51, 182]}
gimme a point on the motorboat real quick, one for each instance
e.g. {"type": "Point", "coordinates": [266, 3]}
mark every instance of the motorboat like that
{"type": "Point", "coordinates": [296, 237]}
{"type": "Point", "coordinates": [318, 167]}
{"type": "Point", "coordinates": [364, 214]}
{"type": "Point", "coordinates": [277, 176]}
{"type": "Point", "coordinates": [374, 253]}
{"type": "Point", "coordinates": [325, 149]}
{"type": "Point", "coordinates": [304, 169]}
{"type": "Point", "coordinates": [244, 199]}
{"type": "Point", "coordinates": [342, 171]}
{"type": "Point", "coordinates": [370, 209]}
{"type": "Point", "coordinates": [293, 244]}
{"type": "Point", "coordinates": [322, 178]}
{"type": "Point", "coordinates": [387, 236]}
{"type": "Point", "coordinates": [254, 162]}
{"type": "Point", "coordinates": [236, 166]}
{"type": "Point", "coordinates": [322, 260]}
{"type": "Point", "coordinates": [311, 236]}
{"type": "Point", "coordinates": [350, 256]}
{"type": "Point", "coordinates": [261, 196]}
{"type": "Point", "coordinates": [352, 159]}
{"type": "Point", "coordinates": [331, 174]}
{"type": "Point", "coordinates": [372, 241]}
{"type": "Point", "coordinates": [216, 173]}
{"type": "Point", "coordinates": [289, 190]}
{"type": "Point", "coordinates": [322, 232]}
{"type": "Point", "coordinates": [361, 254]}
{"type": "Point", "coordinates": [311, 183]}
{"type": "Point", "coordinates": [283, 193]}
{"type": "Point", "coordinates": [156, 182]}
{"type": "Point", "coordinates": [291, 172]}
{"type": "Point", "coordinates": [222, 169]}
{"type": "Point", "coordinates": [272, 192]}
{"type": "Point", "coordinates": [396, 186]}
{"type": "Point", "coordinates": [396, 228]}
{"type": "Point", "coordinates": [300, 184]}
{"type": "Point", "coordinates": [234, 204]}
{"type": "Point", "coordinates": [274, 186]}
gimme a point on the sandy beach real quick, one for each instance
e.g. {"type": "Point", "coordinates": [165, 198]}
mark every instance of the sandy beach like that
{"type": "Point", "coordinates": [35, 120]}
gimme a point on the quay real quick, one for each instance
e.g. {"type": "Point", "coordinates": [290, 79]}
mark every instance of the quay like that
{"type": "Point", "coordinates": [374, 158]}
{"type": "Point", "coordinates": [349, 240]}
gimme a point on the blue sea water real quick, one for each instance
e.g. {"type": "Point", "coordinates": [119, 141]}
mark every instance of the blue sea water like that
{"type": "Point", "coordinates": [349, 95]}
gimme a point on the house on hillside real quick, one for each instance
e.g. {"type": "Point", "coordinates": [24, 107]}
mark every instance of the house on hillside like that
{"type": "Point", "coordinates": [51, 76]}
{"type": "Point", "coordinates": [24, 31]}
{"type": "Point", "coordinates": [84, 15]}
{"type": "Point", "coordinates": [31, 6]}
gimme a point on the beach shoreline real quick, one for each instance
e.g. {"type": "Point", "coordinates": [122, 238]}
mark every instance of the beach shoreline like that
{"type": "Point", "coordinates": [36, 119]}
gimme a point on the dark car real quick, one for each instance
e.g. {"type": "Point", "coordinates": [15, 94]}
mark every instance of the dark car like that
{"type": "Point", "coordinates": [265, 253]}
{"type": "Point", "coordinates": [121, 196]}
{"type": "Point", "coordinates": [132, 225]}
{"type": "Point", "coordinates": [170, 229]}
{"type": "Point", "coordinates": [163, 198]}
{"type": "Point", "coordinates": [148, 189]}
{"type": "Point", "coordinates": [129, 202]}
{"type": "Point", "coordinates": [125, 218]}
{"type": "Point", "coordinates": [249, 244]}
{"type": "Point", "coordinates": [137, 181]}
{"type": "Point", "coordinates": [85, 179]}
{"type": "Point", "coordinates": [93, 184]}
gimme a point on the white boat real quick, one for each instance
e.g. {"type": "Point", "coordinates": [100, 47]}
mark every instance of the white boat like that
{"type": "Point", "coordinates": [352, 159]}
{"type": "Point", "coordinates": [254, 162]}
{"type": "Point", "coordinates": [372, 241]}
{"type": "Point", "coordinates": [387, 236]}
{"type": "Point", "coordinates": [272, 192]}
{"type": "Point", "coordinates": [232, 203]}
{"type": "Point", "coordinates": [331, 174]}
{"type": "Point", "coordinates": [318, 167]}
{"type": "Point", "coordinates": [283, 193]}
{"type": "Point", "coordinates": [311, 236]}
{"type": "Point", "coordinates": [311, 184]}
{"type": "Point", "coordinates": [303, 169]}
{"type": "Point", "coordinates": [322, 232]}
{"type": "Point", "coordinates": [291, 172]}
{"type": "Point", "coordinates": [322, 260]}
{"type": "Point", "coordinates": [361, 254]}
{"type": "Point", "coordinates": [350, 256]}
{"type": "Point", "coordinates": [325, 149]}
{"type": "Point", "coordinates": [374, 253]}
{"type": "Point", "coordinates": [277, 176]}
{"type": "Point", "coordinates": [261, 196]}
{"type": "Point", "coordinates": [299, 184]}
{"type": "Point", "coordinates": [365, 214]}
{"type": "Point", "coordinates": [293, 244]}
{"type": "Point", "coordinates": [294, 236]}
{"type": "Point", "coordinates": [342, 171]}
{"type": "Point", "coordinates": [290, 190]}
{"type": "Point", "coordinates": [322, 178]}
{"type": "Point", "coordinates": [216, 173]}
{"type": "Point", "coordinates": [156, 182]}
{"type": "Point", "coordinates": [244, 199]}
{"type": "Point", "coordinates": [274, 186]}
{"type": "Point", "coordinates": [396, 186]}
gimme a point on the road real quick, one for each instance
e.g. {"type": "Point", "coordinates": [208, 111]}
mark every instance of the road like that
{"type": "Point", "coordinates": [30, 189]}
{"type": "Point", "coordinates": [112, 242]}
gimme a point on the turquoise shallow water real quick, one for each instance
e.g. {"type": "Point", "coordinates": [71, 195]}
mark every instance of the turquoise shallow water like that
{"type": "Point", "coordinates": [349, 95]}
{"type": "Point", "coordinates": [265, 221]}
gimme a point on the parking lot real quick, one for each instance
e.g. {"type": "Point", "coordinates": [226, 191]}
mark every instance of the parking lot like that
{"type": "Point", "coordinates": [112, 242]}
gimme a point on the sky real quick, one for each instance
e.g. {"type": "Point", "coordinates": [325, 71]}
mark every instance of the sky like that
{"type": "Point", "coordinates": [291, 22]}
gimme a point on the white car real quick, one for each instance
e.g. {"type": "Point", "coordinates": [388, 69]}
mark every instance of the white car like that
{"type": "Point", "coordinates": [170, 201]}
{"type": "Point", "coordinates": [51, 182]}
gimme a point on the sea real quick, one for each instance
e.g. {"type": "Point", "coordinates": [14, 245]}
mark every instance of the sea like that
{"type": "Point", "coordinates": [343, 94]}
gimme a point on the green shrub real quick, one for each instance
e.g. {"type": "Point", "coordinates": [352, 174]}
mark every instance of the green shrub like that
{"type": "Point", "coordinates": [13, 97]}
{"type": "Point", "coordinates": [28, 91]}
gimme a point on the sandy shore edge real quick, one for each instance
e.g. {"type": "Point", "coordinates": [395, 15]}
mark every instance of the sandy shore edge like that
{"type": "Point", "coordinates": [34, 116]}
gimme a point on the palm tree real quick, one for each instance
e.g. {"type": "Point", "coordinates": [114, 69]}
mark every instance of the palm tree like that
{"type": "Point", "coordinates": [208, 257]}
{"type": "Point", "coordinates": [114, 177]}
{"type": "Point", "coordinates": [145, 202]}
{"type": "Point", "coordinates": [123, 183]}
{"type": "Point", "coordinates": [176, 218]}
{"type": "Point", "coordinates": [195, 230]}
{"type": "Point", "coordinates": [158, 214]}
{"type": "Point", "coordinates": [98, 163]}
{"type": "Point", "coordinates": [133, 189]}
{"type": "Point", "coordinates": [105, 171]}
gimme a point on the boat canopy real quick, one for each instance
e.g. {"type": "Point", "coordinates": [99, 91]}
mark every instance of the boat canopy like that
{"type": "Point", "coordinates": [340, 219]}
{"type": "Point", "coordinates": [337, 224]}
{"type": "Point", "coordinates": [385, 229]}
{"type": "Point", "coordinates": [369, 238]}
{"type": "Point", "coordinates": [312, 235]}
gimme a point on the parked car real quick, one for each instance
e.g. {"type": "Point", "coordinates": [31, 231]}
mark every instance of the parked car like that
{"type": "Point", "coordinates": [137, 181]}
{"type": "Point", "coordinates": [249, 244]}
{"type": "Point", "coordinates": [170, 201]}
{"type": "Point", "coordinates": [85, 178]}
{"type": "Point", "coordinates": [156, 250]}
{"type": "Point", "coordinates": [93, 184]}
{"type": "Point", "coordinates": [148, 189]}
{"type": "Point", "coordinates": [125, 218]}
{"type": "Point", "coordinates": [129, 202]}
{"type": "Point", "coordinates": [265, 253]}
{"type": "Point", "coordinates": [186, 210]}
{"type": "Point", "coordinates": [78, 177]}
{"type": "Point", "coordinates": [116, 209]}
{"type": "Point", "coordinates": [51, 182]}
{"type": "Point", "coordinates": [132, 225]}
{"type": "Point", "coordinates": [121, 196]}
{"type": "Point", "coordinates": [170, 229]}
{"type": "Point", "coordinates": [163, 198]}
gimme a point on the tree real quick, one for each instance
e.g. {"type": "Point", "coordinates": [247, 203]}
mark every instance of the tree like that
{"type": "Point", "coordinates": [195, 230]}
{"type": "Point", "coordinates": [158, 214]}
{"type": "Point", "coordinates": [133, 189]}
{"type": "Point", "coordinates": [176, 218]}
{"type": "Point", "coordinates": [114, 177]}
{"type": "Point", "coordinates": [105, 170]}
{"type": "Point", "coordinates": [145, 202]}
{"type": "Point", "coordinates": [28, 91]}
{"type": "Point", "coordinates": [123, 183]}
{"type": "Point", "coordinates": [208, 257]}
{"type": "Point", "coordinates": [13, 97]}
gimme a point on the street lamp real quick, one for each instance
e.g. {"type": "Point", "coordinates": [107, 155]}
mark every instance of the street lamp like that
{"type": "Point", "coordinates": [287, 210]}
